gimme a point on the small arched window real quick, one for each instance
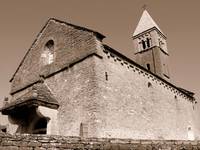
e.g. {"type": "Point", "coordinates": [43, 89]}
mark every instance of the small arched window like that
{"type": "Point", "coordinates": [50, 45]}
{"type": "Point", "coordinates": [148, 42]}
{"type": "Point", "coordinates": [48, 54]}
{"type": "Point", "coordinates": [143, 44]}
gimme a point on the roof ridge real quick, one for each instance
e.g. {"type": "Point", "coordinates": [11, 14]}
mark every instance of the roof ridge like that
{"type": "Point", "coordinates": [146, 70]}
{"type": "Point", "coordinates": [78, 27]}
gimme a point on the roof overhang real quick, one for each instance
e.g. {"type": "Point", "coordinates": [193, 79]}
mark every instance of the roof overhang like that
{"type": "Point", "coordinates": [13, 108]}
{"type": "Point", "coordinates": [37, 95]}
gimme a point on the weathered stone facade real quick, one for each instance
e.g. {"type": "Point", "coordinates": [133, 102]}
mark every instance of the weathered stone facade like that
{"type": "Point", "coordinates": [77, 86]}
{"type": "Point", "coordinates": [136, 104]}
{"type": "Point", "coordinates": [71, 44]}
{"type": "Point", "coordinates": [151, 47]}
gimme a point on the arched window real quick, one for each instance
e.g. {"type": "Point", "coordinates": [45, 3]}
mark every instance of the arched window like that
{"type": "Point", "coordinates": [50, 45]}
{"type": "Point", "coordinates": [143, 44]}
{"type": "Point", "coordinates": [48, 54]}
{"type": "Point", "coordinates": [148, 42]}
{"type": "Point", "coordinates": [160, 44]}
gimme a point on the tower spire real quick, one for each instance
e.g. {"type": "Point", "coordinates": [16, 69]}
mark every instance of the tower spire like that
{"type": "Point", "coordinates": [151, 46]}
{"type": "Point", "coordinates": [146, 23]}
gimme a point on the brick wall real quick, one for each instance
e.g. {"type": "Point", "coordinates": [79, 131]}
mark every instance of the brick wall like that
{"type": "Point", "coordinates": [43, 142]}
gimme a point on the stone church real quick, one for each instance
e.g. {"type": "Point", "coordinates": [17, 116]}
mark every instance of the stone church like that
{"type": "Point", "coordinates": [70, 83]}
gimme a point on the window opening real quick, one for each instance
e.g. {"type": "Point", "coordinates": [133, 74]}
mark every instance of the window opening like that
{"type": "Point", "coordinates": [48, 54]}
{"type": "Point", "coordinates": [41, 126]}
{"type": "Point", "coordinates": [143, 44]}
{"type": "Point", "coordinates": [148, 67]}
{"type": "Point", "coordinates": [148, 43]}
{"type": "Point", "coordinates": [106, 75]}
{"type": "Point", "coordinates": [149, 84]}
{"type": "Point", "coordinates": [50, 45]}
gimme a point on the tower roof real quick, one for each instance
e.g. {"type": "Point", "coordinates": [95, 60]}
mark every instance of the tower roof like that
{"type": "Point", "coordinates": [146, 22]}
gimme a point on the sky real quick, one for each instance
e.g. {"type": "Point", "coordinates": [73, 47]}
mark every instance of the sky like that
{"type": "Point", "coordinates": [21, 21]}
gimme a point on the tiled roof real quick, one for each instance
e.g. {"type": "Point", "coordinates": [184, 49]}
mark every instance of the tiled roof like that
{"type": "Point", "coordinates": [38, 95]}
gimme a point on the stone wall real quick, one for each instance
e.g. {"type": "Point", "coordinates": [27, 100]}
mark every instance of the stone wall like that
{"type": "Point", "coordinates": [102, 94]}
{"type": "Point", "coordinates": [75, 90]}
{"type": "Point", "coordinates": [157, 59]}
{"type": "Point", "coordinates": [136, 104]}
{"type": "Point", "coordinates": [109, 97]}
{"type": "Point", "coordinates": [70, 44]}
{"type": "Point", "coordinates": [42, 142]}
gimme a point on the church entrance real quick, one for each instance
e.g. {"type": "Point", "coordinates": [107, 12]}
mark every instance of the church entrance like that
{"type": "Point", "coordinates": [30, 120]}
{"type": "Point", "coordinates": [40, 126]}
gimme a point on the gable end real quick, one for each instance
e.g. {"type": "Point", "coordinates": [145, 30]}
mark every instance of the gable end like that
{"type": "Point", "coordinates": [64, 40]}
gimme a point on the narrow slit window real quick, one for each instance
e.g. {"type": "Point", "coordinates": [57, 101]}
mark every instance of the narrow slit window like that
{"type": "Point", "coordinates": [143, 44]}
{"type": "Point", "coordinates": [149, 84]}
{"type": "Point", "coordinates": [160, 44]}
{"type": "Point", "coordinates": [148, 43]}
{"type": "Point", "coordinates": [148, 67]}
{"type": "Point", "coordinates": [106, 75]}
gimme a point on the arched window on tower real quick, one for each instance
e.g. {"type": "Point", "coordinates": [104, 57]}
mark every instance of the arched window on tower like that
{"type": "Point", "coordinates": [143, 44]}
{"type": "Point", "coordinates": [148, 42]}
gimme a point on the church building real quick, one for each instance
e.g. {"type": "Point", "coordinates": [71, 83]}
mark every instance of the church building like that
{"type": "Point", "coordinates": [70, 83]}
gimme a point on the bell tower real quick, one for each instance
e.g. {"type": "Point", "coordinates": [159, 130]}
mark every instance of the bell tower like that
{"type": "Point", "coordinates": [151, 47]}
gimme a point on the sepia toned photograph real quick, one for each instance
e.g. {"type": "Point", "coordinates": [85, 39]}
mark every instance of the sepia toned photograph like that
{"type": "Point", "coordinates": [99, 75]}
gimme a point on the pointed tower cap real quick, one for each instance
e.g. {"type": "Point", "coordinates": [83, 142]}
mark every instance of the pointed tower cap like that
{"type": "Point", "coordinates": [146, 22]}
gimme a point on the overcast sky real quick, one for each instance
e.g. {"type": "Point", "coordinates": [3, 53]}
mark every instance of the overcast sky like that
{"type": "Point", "coordinates": [21, 20]}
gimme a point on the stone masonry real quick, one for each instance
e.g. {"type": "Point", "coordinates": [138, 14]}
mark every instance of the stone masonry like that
{"type": "Point", "coordinates": [71, 84]}
{"type": "Point", "coordinates": [44, 142]}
